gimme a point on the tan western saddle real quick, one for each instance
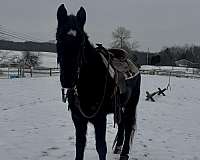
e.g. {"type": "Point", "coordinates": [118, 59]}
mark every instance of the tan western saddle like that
{"type": "Point", "coordinates": [122, 68]}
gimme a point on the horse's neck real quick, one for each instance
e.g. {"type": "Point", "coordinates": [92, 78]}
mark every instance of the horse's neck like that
{"type": "Point", "coordinates": [94, 80]}
{"type": "Point", "coordinates": [90, 52]}
{"type": "Point", "coordinates": [92, 72]}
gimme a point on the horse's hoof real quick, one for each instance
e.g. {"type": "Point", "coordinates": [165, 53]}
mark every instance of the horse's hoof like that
{"type": "Point", "coordinates": [117, 149]}
{"type": "Point", "coordinates": [124, 157]}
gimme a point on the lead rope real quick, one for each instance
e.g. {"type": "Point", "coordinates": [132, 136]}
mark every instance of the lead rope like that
{"type": "Point", "coordinates": [170, 73]}
{"type": "Point", "coordinates": [169, 82]}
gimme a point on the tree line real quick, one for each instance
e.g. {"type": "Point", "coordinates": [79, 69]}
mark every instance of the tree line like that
{"type": "Point", "coordinates": [175, 53]}
{"type": "Point", "coordinates": [27, 46]}
{"type": "Point", "coordinates": [121, 38]}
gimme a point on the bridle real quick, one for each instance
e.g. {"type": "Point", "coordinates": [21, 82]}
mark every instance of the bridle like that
{"type": "Point", "coordinates": [81, 60]}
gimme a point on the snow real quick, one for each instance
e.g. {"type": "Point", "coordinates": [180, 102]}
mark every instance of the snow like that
{"type": "Point", "coordinates": [36, 125]}
{"type": "Point", "coordinates": [170, 68]}
{"type": "Point", "coordinates": [47, 59]}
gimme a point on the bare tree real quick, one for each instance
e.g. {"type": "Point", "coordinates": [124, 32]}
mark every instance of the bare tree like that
{"type": "Point", "coordinates": [122, 39]}
{"type": "Point", "coordinates": [30, 59]}
{"type": "Point", "coordinates": [135, 45]}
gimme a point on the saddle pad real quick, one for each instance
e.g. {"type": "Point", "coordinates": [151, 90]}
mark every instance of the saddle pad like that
{"type": "Point", "coordinates": [111, 69]}
{"type": "Point", "coordinates": [134, 71]}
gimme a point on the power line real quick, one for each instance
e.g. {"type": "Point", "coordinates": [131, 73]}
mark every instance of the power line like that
{"type": "Point", "coordinates": [13, 36]}
{"type": "Point", "coordinates": [4, 37]}
{"type": "Point", "coordinates": [26, 37]}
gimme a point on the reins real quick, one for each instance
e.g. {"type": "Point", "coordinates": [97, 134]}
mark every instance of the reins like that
{"type": "Point", "coordinates": [103, 97]}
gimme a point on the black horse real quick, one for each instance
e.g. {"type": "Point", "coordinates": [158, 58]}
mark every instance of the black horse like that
{"type": "Point", "coordinates": [91, 87]}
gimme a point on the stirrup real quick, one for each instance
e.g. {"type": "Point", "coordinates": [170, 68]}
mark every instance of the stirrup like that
{"type": "Point", "coordinates": [124, 157]}
{"type": "Point", "coordinates": [117, 150]}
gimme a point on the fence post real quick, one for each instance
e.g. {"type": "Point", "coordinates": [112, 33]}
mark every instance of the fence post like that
{"type": "Point", "coordinates": [50, 72]}
{"type": "Point", "coordinates": [31, 72]}
{"type": "Point", "coordinates": [8, 73]}
{"type": "Point", "coordinates": [18, 72]}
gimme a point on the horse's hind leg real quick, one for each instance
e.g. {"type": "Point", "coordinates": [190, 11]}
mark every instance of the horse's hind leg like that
{"type": "Point", "coordinates": [100, 135]}
{"type": "Point", "coordinates": [81, 129]}
{"type": "Point", "coordinates": [129, 121]}
{"type": "Point", "coordinates": [129, 118]}
{"type": "Point", "coordinates": [129, 131]}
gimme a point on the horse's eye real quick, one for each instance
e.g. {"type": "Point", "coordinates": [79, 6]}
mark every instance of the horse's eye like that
{"type": "Point", "coordinates": [72, 33]}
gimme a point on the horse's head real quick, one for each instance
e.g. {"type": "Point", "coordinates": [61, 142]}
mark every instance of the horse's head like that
{"type": "Point", "coordinates": [70, 43]}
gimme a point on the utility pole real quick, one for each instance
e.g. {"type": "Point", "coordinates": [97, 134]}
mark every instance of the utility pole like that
{"type": "Point", "coordinates": [148, 56]}
{"type": "Point", "coordinates": [121, 39]}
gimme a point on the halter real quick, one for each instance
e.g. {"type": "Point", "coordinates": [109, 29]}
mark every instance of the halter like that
{"type": "Point", "coordinates": [80, 60]}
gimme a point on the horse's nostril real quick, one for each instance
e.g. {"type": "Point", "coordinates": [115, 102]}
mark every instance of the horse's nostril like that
{"type": "Point", "coordinates": [72, 33]}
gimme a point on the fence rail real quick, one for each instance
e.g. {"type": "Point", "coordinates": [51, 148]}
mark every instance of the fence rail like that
{"type": "Point", "coordinates": [39, 72]}
{"type": "Point", "coordinates": [30, 72]}
{"type": "Point", "coordinates": [187, 73]}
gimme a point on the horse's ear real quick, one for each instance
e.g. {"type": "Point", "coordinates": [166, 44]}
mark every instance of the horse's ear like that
{"type": "Point", "coordinates": [61, 13]}
{"type": "Point", "coordinates": [81, 16]}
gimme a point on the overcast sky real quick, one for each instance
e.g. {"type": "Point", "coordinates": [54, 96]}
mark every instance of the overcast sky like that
{"type": "Point", "coordinates": [154, 23]}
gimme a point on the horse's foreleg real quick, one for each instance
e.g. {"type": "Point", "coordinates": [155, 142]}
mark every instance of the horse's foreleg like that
{"type": "Point", "coordinates": [119, 138]}
{"type": "Point", "coordinates": [81, 129]}
{"type": "Point", "coordinates": [100, 135]}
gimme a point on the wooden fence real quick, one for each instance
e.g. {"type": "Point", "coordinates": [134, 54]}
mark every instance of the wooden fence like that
{"type": "Point", "coordinates": [30, 72]}
{"type": "Point", "coordinates": [39, 72]}
{"type": "Point", "coordinates": [187, 73]}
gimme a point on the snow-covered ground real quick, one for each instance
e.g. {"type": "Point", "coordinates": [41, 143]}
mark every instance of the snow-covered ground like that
{"type": "Point", "coordinates": [36, 125]}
